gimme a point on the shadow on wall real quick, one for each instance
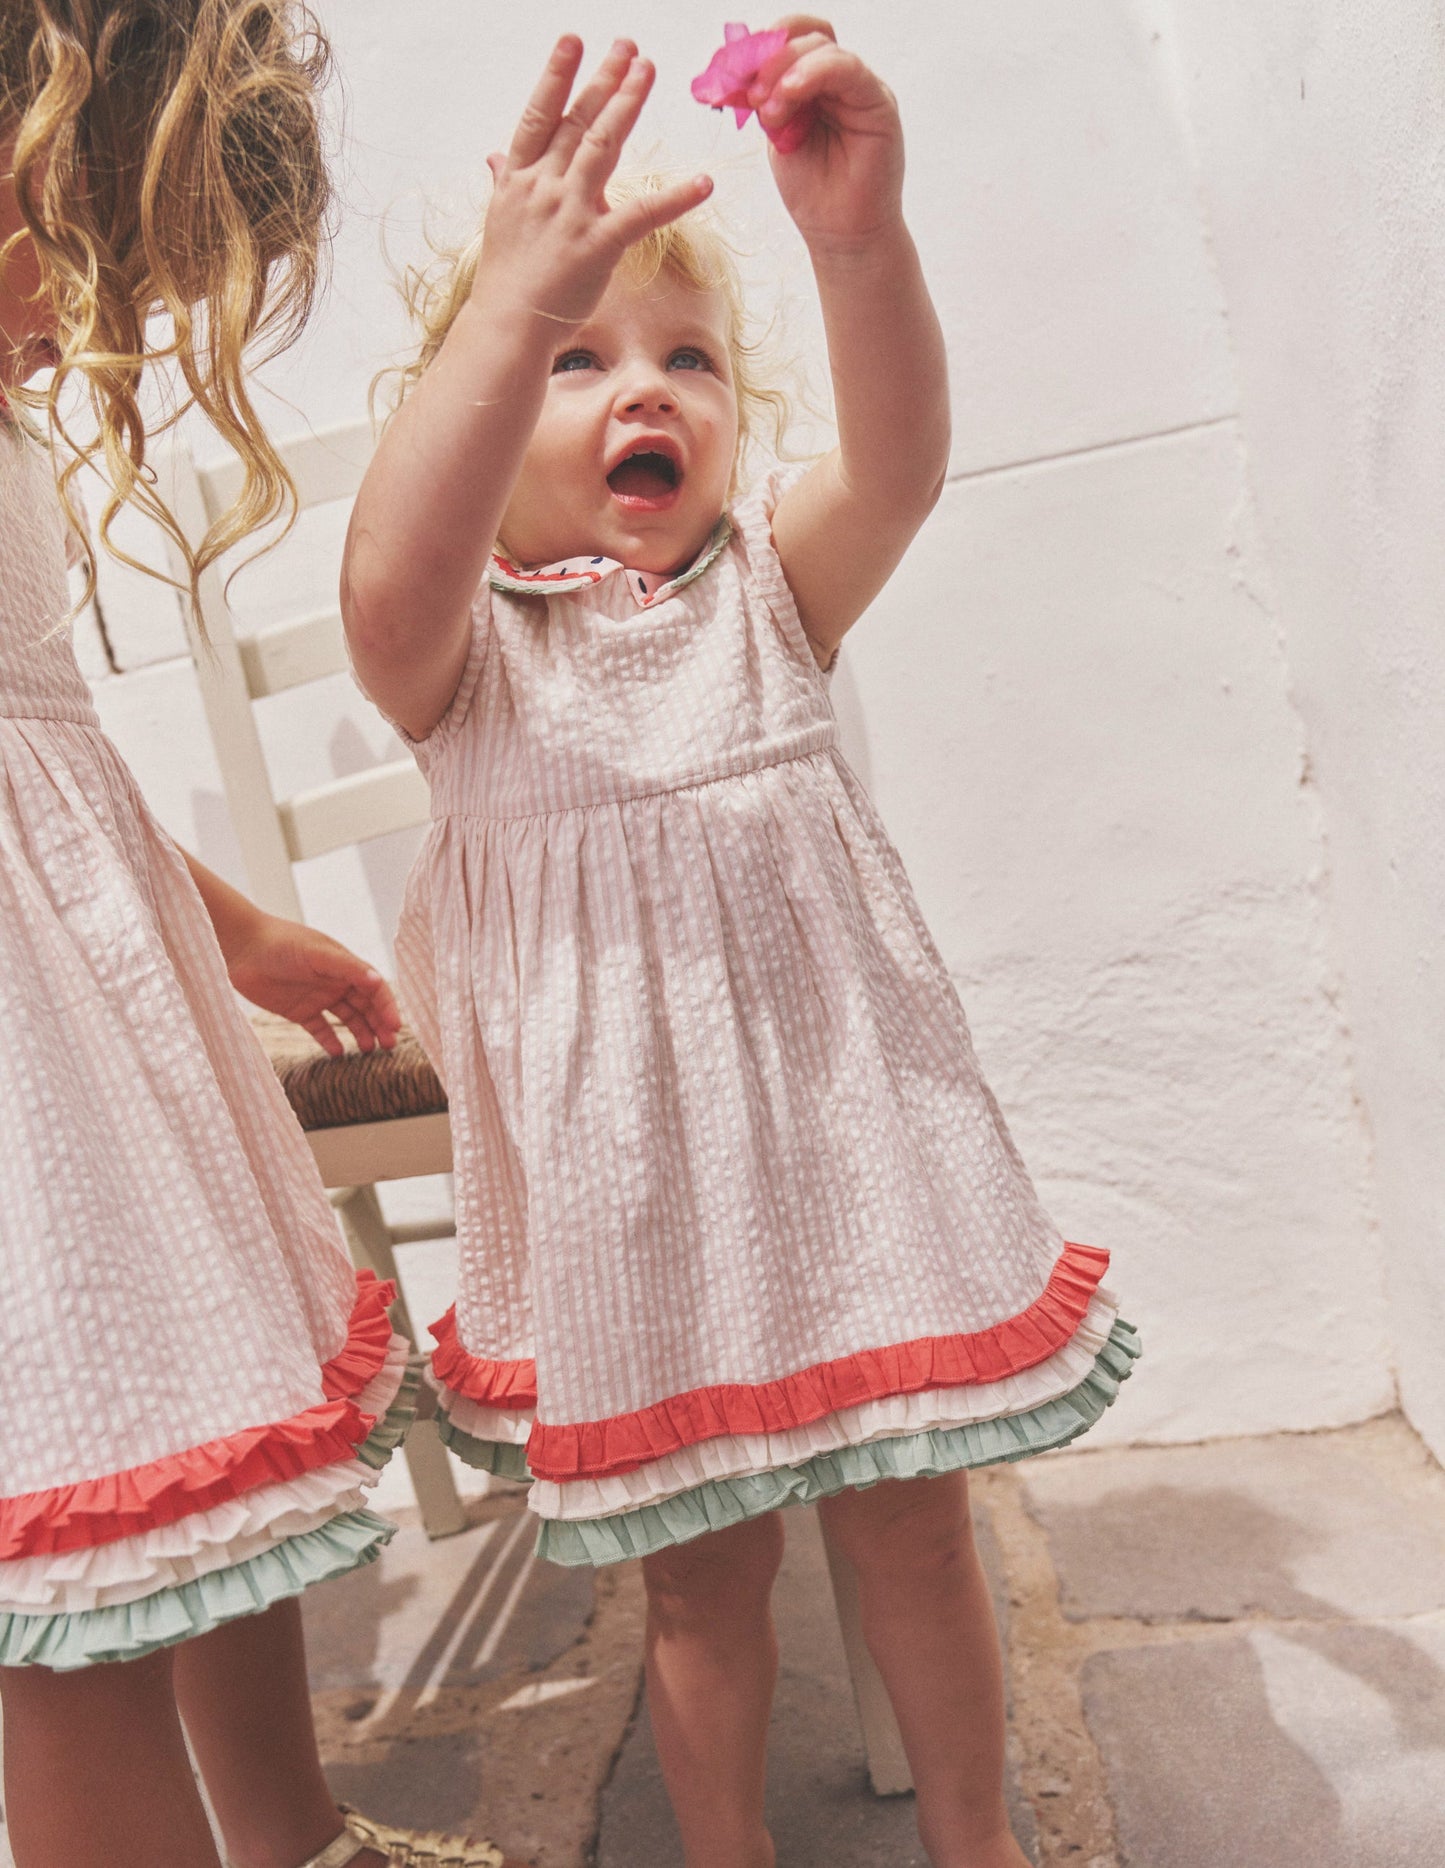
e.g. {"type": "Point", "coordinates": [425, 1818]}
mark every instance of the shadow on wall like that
{"type": "Point", "coordinates": [216, 843]}
{"type": "Point", "coordinates": [385, 861]}
{"type": "Point", "coordinates": [852, 726]}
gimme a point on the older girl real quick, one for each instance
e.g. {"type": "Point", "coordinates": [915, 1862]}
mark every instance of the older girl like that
{"type": "Point", "coordinates": [195, 1388]}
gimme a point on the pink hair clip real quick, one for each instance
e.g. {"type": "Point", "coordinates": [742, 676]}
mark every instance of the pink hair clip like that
{"type": "Point", "coordinates": [733, 67]}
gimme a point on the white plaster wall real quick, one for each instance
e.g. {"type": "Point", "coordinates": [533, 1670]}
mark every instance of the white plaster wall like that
{"type": "Point", "coordinates": [1073, 702]}
{"type": "Point", "coordinates": [1321, 135]}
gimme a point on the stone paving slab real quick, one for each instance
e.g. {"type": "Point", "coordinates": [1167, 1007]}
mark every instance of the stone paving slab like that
{"type": "Point", "coordinates": [453, 1613]}
{"type": "Point", "coordinates": [1312, 1747]}
{"type": "Point", "coordinates": [821, 1810]}
{"type": "Point", "coordinates": [1249, 1672]}
{"type": "Point", "coordinates": [1294, 1526]}
{"type": "Point", "coordinates": [465, 1684]}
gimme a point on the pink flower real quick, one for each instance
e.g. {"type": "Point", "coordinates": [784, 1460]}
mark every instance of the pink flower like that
{"type": "Point", "coordinates": [734, 66]}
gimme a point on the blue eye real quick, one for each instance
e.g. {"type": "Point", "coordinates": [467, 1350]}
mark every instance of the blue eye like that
{"type": "Point", "coordinates": [689, 359]}
{"type": "Point", "coordinates": [572, 360]}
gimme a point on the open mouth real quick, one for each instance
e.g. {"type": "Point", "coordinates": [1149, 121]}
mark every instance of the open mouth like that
{"type": "Point", "coordinates": [646, 474]}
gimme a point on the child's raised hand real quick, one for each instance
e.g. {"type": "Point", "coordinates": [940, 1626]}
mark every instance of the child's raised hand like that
{"type": "Point", "coordinates": [843, 184]}
{"type": "Point", "coordinates": [293, 970]}
{"type": "Point", "coordinates": [551, 239]}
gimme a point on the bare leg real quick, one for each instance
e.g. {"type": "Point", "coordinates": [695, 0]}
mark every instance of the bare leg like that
{"type": "Point", "coordinates": [96, 1771]}
{"type": "Point", "coordinates": [243, 1693]}
{"type": "Point", "coordinates": [712, 1658]}
{"type": "Point", "coordinates": [929, 1625]}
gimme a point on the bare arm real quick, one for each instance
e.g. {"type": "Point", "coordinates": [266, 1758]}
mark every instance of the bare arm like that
{"type": "Point", "coordinates": [841, 530]}
{"type": "Point", "coordinates": [428, 511]}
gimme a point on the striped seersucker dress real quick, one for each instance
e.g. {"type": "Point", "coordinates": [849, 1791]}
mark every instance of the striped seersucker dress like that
{"type": "Point", "coordinates": [194, 1387]}
{"type": "Point", "coordinates": [739, 1220]}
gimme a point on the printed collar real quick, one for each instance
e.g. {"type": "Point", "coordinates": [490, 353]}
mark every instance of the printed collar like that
{"type": "Point", "coordinates": [567, 574]}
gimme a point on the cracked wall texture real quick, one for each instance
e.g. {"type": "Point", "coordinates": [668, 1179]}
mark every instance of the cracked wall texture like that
{"type": "Point", "coordinates": [1320, 129]}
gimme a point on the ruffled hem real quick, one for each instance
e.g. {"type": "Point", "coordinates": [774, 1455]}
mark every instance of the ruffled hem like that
{"type": "Point", "coordinates": [485, 1379]}
{"type": "Point", "coordinates": [507, 1426]}
{"type": "Point", "coordinates": [124, 1504]}
{"type": "Point", "coordinates": [719, 1504]}
{"type": "Point", "coordinates": [503, 1458]}
{"type": "Point", "coordinates": [127, 1631]}
{"type": "Point", "coordinates": [893, 1418]}
{"type": "Point", "coordinates": [109, 1575]}
{"type": "Point", "coordinates": [494, 1441]}
{"type": "Point", "coordinates": [566, 1451]}
{"type": "Point", "coordinates": [370, 1339]}
{"type": "Point", "coordinates": [391, 1429]}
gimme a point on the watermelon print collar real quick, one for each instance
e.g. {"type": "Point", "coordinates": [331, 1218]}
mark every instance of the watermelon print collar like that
{"type": "Point", "coordinates": [568, 574]}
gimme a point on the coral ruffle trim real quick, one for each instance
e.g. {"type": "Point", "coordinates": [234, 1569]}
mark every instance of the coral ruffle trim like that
{"type": "Point", "coordinates": [499, 1384]}
{"type": "Point", "coordinates": [368, 1339]}
{"type": "Point", "coordinates": [122, 1504]}
{"type": "Point", "coordinates": [597, 1449]}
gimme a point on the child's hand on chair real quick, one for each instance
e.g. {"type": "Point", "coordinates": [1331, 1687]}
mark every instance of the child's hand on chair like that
{"type": "Point", "coordinates": [303, 975]}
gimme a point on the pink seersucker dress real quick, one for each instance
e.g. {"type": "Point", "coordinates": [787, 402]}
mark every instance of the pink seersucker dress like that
{"type": "Point", "coordinates": [739, 1220]}
{"type": "Point", "coordinates": [194, 1385]}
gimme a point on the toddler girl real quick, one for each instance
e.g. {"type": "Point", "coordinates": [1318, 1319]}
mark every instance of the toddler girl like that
{"type": "Point", "coordinates": [195, 1387]}
{"type": "Point", "coordinates": [740, 1223]}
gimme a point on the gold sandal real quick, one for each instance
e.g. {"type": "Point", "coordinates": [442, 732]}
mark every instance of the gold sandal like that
{"type": "Point", "coordinates": [404, 1848]}
{"type": "Point", "coordinates": [409, 1848]}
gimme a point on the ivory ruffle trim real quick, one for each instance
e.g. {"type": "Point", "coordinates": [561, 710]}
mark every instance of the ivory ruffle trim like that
{"type": "Point", "coordinates": [109, 1575]}
{"type": "Point", "coordinates": [508, 1426]}
{"type": "Point", "coordinates": [721, 1503]}
{"type": "Point", "coordinates": [124, 1504]}
{"type": "Point", "coordinates": [894, 1417]}
{"type": "Point", "coordinates": [567, 1451]}
{"type": "Point", "coordinates": [129, 1630]}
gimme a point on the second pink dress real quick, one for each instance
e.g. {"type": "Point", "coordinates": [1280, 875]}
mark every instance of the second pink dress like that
{"type": "Point", "coordinates": [195, 1387]}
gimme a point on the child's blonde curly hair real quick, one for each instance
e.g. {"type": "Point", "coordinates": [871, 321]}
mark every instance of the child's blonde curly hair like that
{"type": "Point", "coordinates": [167, 160]}
{"type": "Point", "coordinates": [694, 250]}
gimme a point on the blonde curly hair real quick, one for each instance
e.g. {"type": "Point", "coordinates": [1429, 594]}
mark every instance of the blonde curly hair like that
{"type": "Point", "coordinates": [694, 250]}
{"type": "Point", "coordinates": [168, 160]}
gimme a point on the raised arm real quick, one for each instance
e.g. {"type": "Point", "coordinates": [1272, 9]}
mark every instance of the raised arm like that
{"type": "Point", "coordinates": [427, 514]}
{"type": "Point", "coordinates": [841, 530]}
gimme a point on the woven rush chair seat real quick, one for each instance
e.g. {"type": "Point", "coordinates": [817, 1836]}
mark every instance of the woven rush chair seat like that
{"type": "Point", "coordinates": [359, 1086]}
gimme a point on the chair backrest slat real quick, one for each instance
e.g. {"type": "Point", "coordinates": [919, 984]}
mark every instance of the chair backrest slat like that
{"type": "Point", "coordinates": [287, 655]}
{"type": "Point", "coordinates": [349, 810]}
{"type": "Point", "coordinates": [324, 467]}
{"type": "Point", "coordinates": [233, 671]}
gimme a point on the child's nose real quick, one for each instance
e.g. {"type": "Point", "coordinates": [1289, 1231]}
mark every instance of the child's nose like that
{"type": "Point", "coordinates": [647, 389]}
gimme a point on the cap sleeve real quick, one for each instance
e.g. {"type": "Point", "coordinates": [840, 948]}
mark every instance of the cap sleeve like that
{"type": "Point", "coordinates": [752, 520]}
{"type": "Point", "coordinates": [429, 748]}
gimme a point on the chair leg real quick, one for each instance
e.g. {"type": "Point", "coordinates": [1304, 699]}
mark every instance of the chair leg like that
{"type": "Point", "coordinates": [370, 1244]}
{"type": "Point", "coordinates": [368, 1238]}
{"type": "Point", "coordinates": [430, 1469]}
{"type": "Point", "coordinates": [888, 1770]}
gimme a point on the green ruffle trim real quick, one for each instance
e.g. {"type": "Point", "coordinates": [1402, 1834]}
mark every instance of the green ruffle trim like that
{"type": "Point", "coordinates": [389, 1432]}
{"type": "Point", "coordinates": [724, 1502]}
{"type": "Point", "coordinates": [131, 1629]}
{"type": "Point", "coordinates": [495, 1456]}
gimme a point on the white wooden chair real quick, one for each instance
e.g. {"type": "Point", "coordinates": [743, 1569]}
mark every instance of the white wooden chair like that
{"type": "Point", "coordinates": [274, 834]}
